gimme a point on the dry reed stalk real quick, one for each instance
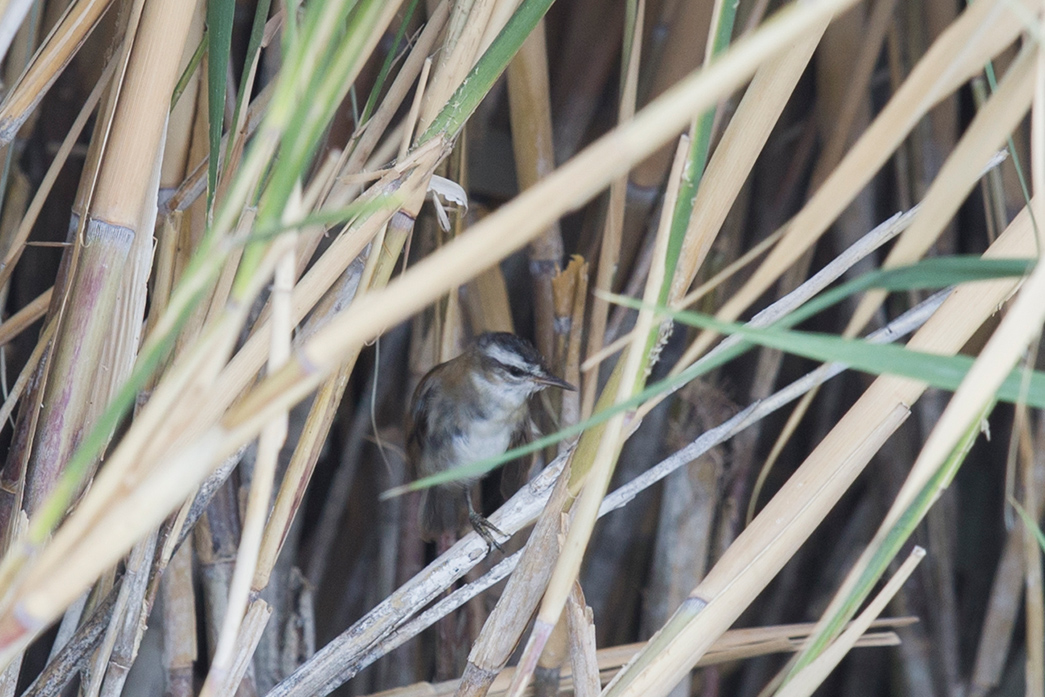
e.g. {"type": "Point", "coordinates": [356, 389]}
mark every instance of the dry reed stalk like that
{"type": "Point", "coordinates": [183, 117]}
{"type": "Point", "coordinates": [735, 155]}
{"type": "Point", "coordinates": [529, 98]}
{"type": "Point", "coordinates": [247, 639]}
{"type": "Point", "coordinates": [215, 540]}
{"type": "Point", "coordinates": [73, 655]}
{"type": "Point", "coordinates": [903, 223]}
{"type": "Point", "coordinates": [808, 495]}
{"type": "Point", "coordinates": [58, 48]}
{"type": "Point", "coordinates": [487, 303]}
{"type": "Point", "coordinates": [987, 132]}
{"type": "Point", "coordinates": [16, 200]}
{"type": "Point", "coordinates": [680, 49]}
{"type": "Point", "coordinates": [230, 157]}
{"type": "Point", "coordinates": [838, 138]}
{"type": "Point", "coordinates": [119, 646]}
{"type": "Point", "coordinates": [447, 333]}
{"type": "Point", "coordinates": [549, 663]}
{"type": "Point", "coordinates": [1001, 352]}
{"type": "Point", "coordinates": [736, 644]}
{"type": "Point", "coordinates": [13, 247]}
{"type": "Point", "coordinates": [688, 510]}
{"type": "Point", "coordinates": [1016, 330]}
{"type": "Point", "coordinates": [193, 186]}
{"type": "Point", "coordinates": [310, 443]}
{"type": "Point", "coordinates": [858, 79]}
{"type": "Point", "coordinates": [208, 313]}
{"type": "Point", "coordinates": [323, 274]}
{"type": "Point", "coordinates": [977, 35]}
{"type": "Point", "coordinates": [465, 29]}
{"type": "Point", "coordinates": [365, 142]}
{"type": "Point", "coordinates": [14, 325]}
{"type": "Point", "coordinates": [612, 232]}
{"type": "Point", "coordinates": [85, 327]}
{"type": "Point", "coordinates": [805, 682]}
{"type": "Point", "coordinates": [377, 271]}
{"type": "Point", "coordinates": [117, 232]}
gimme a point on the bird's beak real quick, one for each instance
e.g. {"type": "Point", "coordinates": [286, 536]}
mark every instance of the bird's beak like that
{"type": "Point", "coordinates": [552, 381]}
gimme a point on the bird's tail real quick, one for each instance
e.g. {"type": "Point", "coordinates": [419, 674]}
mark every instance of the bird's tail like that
{"type": "Point", "coordinates": [442, 510]}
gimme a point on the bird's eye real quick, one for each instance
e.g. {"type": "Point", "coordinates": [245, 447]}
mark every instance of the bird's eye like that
{"type": "Point", "coordinates": [516, 372]}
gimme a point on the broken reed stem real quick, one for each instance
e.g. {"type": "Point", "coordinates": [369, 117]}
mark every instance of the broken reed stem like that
{"type": "Point", "coordinates": [247, 640]}
{"type": "Point", "coordinates": [583, 656]}
{"type": "Point", "coordinates": [569, 293]}
{"type": "Point", "coordinates": [179, 624]}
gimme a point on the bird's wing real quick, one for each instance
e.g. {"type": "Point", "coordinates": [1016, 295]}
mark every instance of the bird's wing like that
{"type": "Point", "coordinates": [417, 420]}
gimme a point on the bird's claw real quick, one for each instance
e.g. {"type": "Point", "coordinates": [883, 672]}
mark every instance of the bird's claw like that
{"type": "Point", "coordinates": [485, 530]}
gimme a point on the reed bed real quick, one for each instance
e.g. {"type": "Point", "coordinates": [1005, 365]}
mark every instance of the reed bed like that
{"type": "Point", "coordinates": [785, 250]}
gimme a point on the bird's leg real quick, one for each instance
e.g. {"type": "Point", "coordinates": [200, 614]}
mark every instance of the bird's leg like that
{"type": "Point", "coordinates": [482, 526]}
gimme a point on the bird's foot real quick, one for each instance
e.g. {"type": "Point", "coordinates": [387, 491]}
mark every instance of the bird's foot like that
{"type": "Point", "coordinates": [486, 530]}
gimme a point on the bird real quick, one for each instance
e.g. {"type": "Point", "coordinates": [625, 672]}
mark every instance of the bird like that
{"type": "Point", "coordinates": [470, 408]}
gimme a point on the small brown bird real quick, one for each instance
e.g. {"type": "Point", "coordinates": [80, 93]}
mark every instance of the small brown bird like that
{"type": "Point", "coordinates": [470, 408]}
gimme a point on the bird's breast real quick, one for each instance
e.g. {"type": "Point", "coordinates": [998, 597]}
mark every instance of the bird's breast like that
{"type": "Point", "coordinates": [484, 438]}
